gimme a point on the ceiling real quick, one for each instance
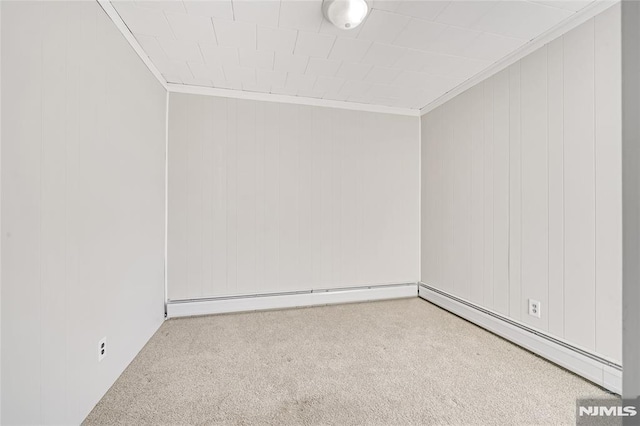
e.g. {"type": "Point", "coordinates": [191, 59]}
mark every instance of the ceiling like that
{"type": "Point", "coordinates": [407, 53]}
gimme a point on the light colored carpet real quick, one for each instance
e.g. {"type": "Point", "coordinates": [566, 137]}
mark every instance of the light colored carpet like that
{"type": "Point", "coordinates": [382, 363]}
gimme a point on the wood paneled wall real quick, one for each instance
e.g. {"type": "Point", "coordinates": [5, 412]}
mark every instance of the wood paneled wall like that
{"type": "Point", "coordinates": [521, 189]}
{"type": "Point", "coordinates": [267, 197]}
{"type": "Point", "coordinates": [83, 138]}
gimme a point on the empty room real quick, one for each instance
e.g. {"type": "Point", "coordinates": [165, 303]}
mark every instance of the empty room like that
{"type": "Point", "coordinates": [320, 212]}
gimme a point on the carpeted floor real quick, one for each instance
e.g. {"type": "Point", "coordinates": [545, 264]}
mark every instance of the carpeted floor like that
{"type": "Point", "coordinates": [382, 363]}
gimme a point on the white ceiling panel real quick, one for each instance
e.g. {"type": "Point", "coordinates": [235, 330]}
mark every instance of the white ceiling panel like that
{"type": "Point", "coordinates": [145, 21]}
{"type": "Point", "coordinates": [383, 55]}
{"type": "Point", "coordinates": [385, 91]}
{"type": "Point", "coordinates": [382, 75]}
{"type": "Point", "coordinates": [491, 47]}
{"type": "Point", "coordinates": [235, 34]}
{"type": "Point", "coordinates": [277, 39]}
{"type": "Point", "coordinates": [305, 15]}
{"type": "Point", "coordinates": [191, 28]}
{"type": "Point", "coordinates": [175, 72]}
{"type": "Point", "coordinates": [353, 71]}
{"type": "Point", "coordinates": [300, 81]}
{"type": "Point", "coordinates": [573, 5]}
{"type": "Point", "coordinates": [164, 6]}
{"type": "Point", "coordinates": [454, 66]}
{"type": "Point", "coordinates": [264, 12]}
{"type": "Point", "coordinates": [238, 76]}
{"type": "Point", "coordinates": [420, 34]}
{"type": "Point", "coordinates": [261, 59]}
{"type": "Point", "coordinates": [464, 13]}
{"type": "Point", "coordinates": [423, 81]}
{"type": "Point", "coordinates": [453, 40]}
{"type": "Point", "coordinates": [427, 10]}
{"type": "Point", "coordinates": [152, 47]}
{"type": "Point", "coordinates": [414, 60]}
{"type": "Point", "coordinates": [216, 55]}
{"type": "Point", "coordinates": [290, 63]}
{"type": "Point", "coordinates": [349, 49]}
{"type": "Point", "coordinates": [388, 5]}
{"type": "Point", "coordinates": [212, 73]}
{"type": "Point", "coordinates": [271, 78]}
{"type": "Point", "coordinates": [323, 67]}
{"type": "Point", "coordinates": [179, 50]}
{"type": "Point", "coordinates": [406, 53]}
{"type": "Point", "coordinates": [326, 84]}
{"type": "Point", "coordinates": [212, 9]}
{"type": "Point", "coordinates": [521, 19]}
{"type": "Point", "coordinates": [314, 44]}
{"type": "Point", "coordinates": [354, 88]}
{"type": "Point", "coordinates": [383, 26]}
{"type": "Point", "coordinates": [413, 79]}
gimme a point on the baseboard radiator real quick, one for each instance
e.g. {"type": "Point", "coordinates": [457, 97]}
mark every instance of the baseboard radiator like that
{"type": "Point", "coordinates": [293, 299]}
{"type": "Point", "coordinates": [592, 367]}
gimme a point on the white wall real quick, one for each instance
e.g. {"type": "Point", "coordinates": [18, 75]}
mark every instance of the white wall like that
{"type": "Point", "coordinates": [521, 189]}
{"type": "Point", "coordinates": [267, 197]}
{"type": "Point", "coordinates": [82, 208]}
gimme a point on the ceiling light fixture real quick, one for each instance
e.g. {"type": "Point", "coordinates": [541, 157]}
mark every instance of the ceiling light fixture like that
{"type": "Point", "coordinates": [345, 14]}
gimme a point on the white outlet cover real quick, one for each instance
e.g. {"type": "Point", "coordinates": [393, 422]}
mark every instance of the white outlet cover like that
{"type": "Point", "coordinates": [102, 349]}
{"type": "Point", "coordinates": [534, 308]}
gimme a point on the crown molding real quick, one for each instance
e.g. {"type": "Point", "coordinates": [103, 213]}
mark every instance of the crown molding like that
{"type": "Point", "coordinates": [299, 100]}
{"type": "Point", "coordinates": [128, 35]}
{"type": "Point", "coordinates": [570, 23]}
{"type": "Point", "coordinates": [578, 18]}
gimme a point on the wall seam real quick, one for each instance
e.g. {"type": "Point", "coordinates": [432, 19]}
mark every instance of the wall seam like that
{"type": "Point", "coordinates": [166, 203]}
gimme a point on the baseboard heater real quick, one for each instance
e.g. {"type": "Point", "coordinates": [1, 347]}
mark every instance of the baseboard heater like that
{"type": "Point", "coordinates": [293, 299]}
{"type": "Point", "coordinates": [592, 367]}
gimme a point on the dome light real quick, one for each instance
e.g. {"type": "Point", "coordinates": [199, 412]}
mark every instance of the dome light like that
{"type": "Point", "coordinates": [345, 14]}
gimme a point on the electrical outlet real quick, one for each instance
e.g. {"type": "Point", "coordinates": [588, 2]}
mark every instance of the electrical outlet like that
{"type": "Point", "coordinates": [102, 349]}
{"type": "Point", "coordinates": [534, 308]}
